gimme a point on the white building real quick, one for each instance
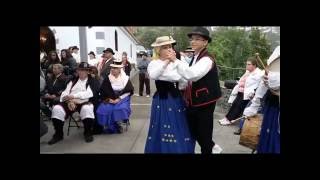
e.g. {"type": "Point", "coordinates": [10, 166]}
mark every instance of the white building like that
{"type": "Point", "coordinates": [96, 39]}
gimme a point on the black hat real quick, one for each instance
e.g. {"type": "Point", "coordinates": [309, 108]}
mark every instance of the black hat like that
{"type": "Point", "coordinates": [143, 53]}
{"type": "Point", "coordinates": [84, 65]}
{"type": "Point", "coordinates": [202, 32]}
{"type": "Point", "coordinates": [108, 50]}
{"type": "Point", "coordinates": [75, 47]}
{"type": "Point", "coordinates": [91, 52]}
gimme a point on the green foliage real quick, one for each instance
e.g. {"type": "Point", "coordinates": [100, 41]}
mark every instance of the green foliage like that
{"type": "Point", "coordinates": [231, 45]}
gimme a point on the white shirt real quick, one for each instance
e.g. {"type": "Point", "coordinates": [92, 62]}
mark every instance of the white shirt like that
{"type": "Point", "coordinates": [197, 70]}
{"type": "Point", "coordinates": [158, 71]}
{"type": "Point", "coordinates": [93, 62]}
{"type": "Point", "coordinates": [76, 57]}
{"type": "Point", "coordinates": [79, 91]}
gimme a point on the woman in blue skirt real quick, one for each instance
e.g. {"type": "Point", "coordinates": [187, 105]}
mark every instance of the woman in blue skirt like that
{"type": "Point", "coordinates": [168, 130]}
{"type": "Point", "coordinates": [115, 92]}
{"type": "Point", "coordinates": [268, 92]}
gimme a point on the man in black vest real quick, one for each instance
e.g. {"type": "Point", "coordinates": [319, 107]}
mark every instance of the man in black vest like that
{"type": "Point", "coordinates": [203, 90]}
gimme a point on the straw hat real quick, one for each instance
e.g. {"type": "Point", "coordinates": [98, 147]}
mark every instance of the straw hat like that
{"type": "Point", "coordinates": [117, 63]}
{"type": "Point", "coordinates": [163, 40]}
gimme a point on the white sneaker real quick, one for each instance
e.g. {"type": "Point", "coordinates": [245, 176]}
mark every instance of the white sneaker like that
{"type": "Point", "coordinates": [136, 95]}
{"type": "Point", "coordinates": [147, 96]}
{"type": "Point", "coordinates": [216, 149]}
{"type": "Point", "coordinates": [197, 148]}
{"type": "Point", "coordinates": [222, 119]}
{"type": "Point", "coordinates": [225, 122]}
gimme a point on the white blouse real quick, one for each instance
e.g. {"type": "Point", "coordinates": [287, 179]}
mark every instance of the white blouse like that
{"type": "Point", "coordinates": [119, 83]}
{"type": "Point", "coordinates": [158, 71]}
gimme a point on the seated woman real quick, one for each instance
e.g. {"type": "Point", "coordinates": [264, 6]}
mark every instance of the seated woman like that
{"type": "Point", "coordinates": [115, 92]}
{"type": "Point", "coordinates": [54, 87]}
{"type": "Point", "coordinates": [243, 92]}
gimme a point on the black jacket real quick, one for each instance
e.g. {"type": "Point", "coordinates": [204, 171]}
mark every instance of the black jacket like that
{"type": "Point", "coordinates": [56, 87]}
{"type": "Point", "coordinates": [69, 66]}
{"type": "Point", "coordinates": [106, 68]}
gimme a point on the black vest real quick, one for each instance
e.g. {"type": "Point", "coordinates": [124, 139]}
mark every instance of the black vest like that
{"type": "Point", "coordinates": [207, 89]}
{"type": "Point", "coordinates": [164, 88]}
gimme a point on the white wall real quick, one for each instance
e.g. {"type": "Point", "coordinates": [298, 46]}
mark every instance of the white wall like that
{"type": "Point", "coordinates": [124, 43]}
{"type": "Point", "coordinates": [109, 41]}
{"type": "Point", "coordinates": [67, 35]}
{"type": "Point", "coordinates": [92, 42]}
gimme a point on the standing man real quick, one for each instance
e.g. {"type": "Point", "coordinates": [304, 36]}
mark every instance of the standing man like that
{"type": "Point", "coordinates": [203, 89]}
{"type": "Point", "coordinates": [143, 75]}
{"type": "Point", "coordinates": [105, 66]}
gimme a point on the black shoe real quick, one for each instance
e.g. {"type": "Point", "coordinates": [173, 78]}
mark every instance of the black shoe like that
{"type": "Point", "coordinates": [238, 132]}
{"type": "Point", "coordinates": [55, 140]}
{"type": "Point", "coordinates": [96, 132]}
{"type": "Point", "coordinates": [88, 138]}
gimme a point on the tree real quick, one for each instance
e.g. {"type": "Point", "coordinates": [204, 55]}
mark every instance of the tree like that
{"type": "Point", "coordinates": [147, 35]}
{"type": "Point", "coordinates": [180, 35]}
{"type": "Point", "coordinates": [233, 45]}
{"type": "Point", "coordinates": [260, 44]}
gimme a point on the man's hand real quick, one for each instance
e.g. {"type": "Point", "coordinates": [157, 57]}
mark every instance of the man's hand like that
{"type": "Point", "coordinates": [68, 97]}
{"type": "Point", "coordinates": [72, 106]}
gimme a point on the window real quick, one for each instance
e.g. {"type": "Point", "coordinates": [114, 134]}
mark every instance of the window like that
{"type": "Point", "coordinates": [99, 35]}
{"type": "Point", "coordinates": [99, 50]}
{"type": "Point", "coordinates": [116, 40]}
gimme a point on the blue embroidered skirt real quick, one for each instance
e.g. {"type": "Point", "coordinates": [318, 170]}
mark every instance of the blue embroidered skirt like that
{"type": "Point", "coordinates": [108, 115]}
{"type": "Point", "coordinates": [269, 141]}
{"type": "Point", "coordinates": [168, 130]}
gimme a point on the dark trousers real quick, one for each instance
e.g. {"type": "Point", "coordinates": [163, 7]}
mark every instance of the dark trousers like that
{"type": "Point", "coordinates": [200, 120]}
{"type": "Point", "coordinates": [237, 107]}
{"type": "Point", "coordinates": [143, 80]}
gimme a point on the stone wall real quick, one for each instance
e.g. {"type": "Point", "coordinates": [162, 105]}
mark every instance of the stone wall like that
{"type": "Point", "coordinates": [223, 101]}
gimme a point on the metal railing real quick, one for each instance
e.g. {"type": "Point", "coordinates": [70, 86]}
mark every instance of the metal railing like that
{"type": "Point", "coordinates": [230, 73]}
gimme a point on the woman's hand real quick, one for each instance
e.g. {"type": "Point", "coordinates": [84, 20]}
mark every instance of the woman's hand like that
{"type": "Point", "coordinates": [116, 101]}
{"type": "Point", "coordinates": [172, 56]}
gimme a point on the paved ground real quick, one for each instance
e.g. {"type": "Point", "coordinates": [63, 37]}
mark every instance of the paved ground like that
{"type": "Point", "coordinates": [133, 141]}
